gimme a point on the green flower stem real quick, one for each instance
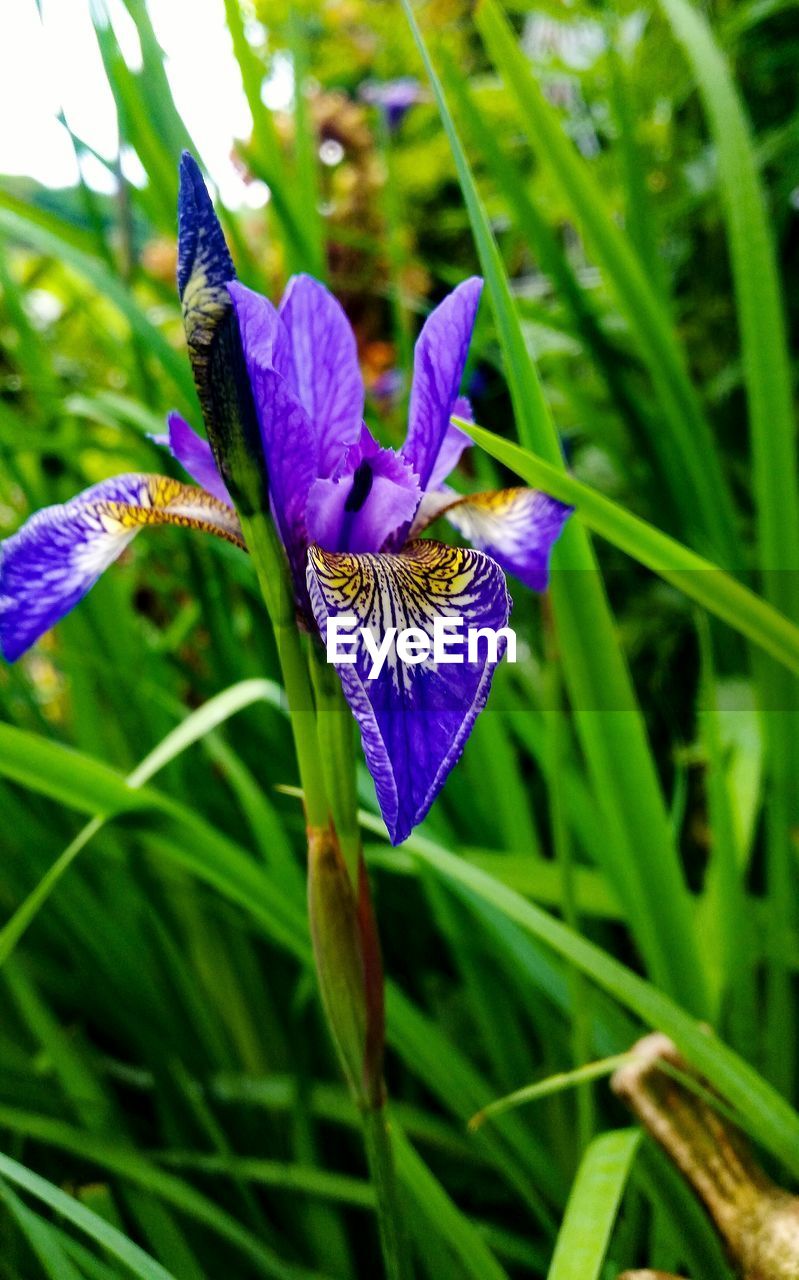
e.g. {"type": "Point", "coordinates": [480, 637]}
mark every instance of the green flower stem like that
{"type": "Point", "coordinates": [390, 1218]}
{"type": "Point", "coordinates": [334, 727]}
{"type": "Point", "coordinates": [323, 740]}
{"type": "Point", "coordinates": [335, 738]}
{"type": "Point", "coordinates": [273, 578]}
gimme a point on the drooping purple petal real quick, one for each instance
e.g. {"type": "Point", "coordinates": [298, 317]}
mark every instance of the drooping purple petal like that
{"type": "Point", "coordinates": [438, 364]}
{"type": "Point", "coordinates": [328, 377]}
{"type": "Point", "coordinates": [57, 555]}
{"type": "Point", "coordinates": [517, 527]}
{"type": "Point", "coordinates": [414, 719]}
{"type": "Point", "coordinates": [372, 495]}
{"type": "Point", "coordinates": [195, 456]}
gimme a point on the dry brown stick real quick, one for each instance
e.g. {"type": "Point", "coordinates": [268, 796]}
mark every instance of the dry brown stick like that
{"type": "Point", "coordinates": [758, 1222]}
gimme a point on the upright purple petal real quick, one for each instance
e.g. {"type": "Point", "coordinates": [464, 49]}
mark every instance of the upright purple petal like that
{"type": "Point", "coordinates": [57, 555]}
{"type": "Point", "coordinates": [264, 336]}
{"type": "Point", "coordinates": [517, 527]}
{"type": "Point", "coordinates": [195, 455]}
{"type": "Point", "coordinates": [414, 719]}
{"type": "Point", "coordinates": [329, 382]}
{"type": "Point", "coordinates": [438, 364]}
{"type": "Point", "coordinates": [288, 437]}
{"type": "Point", "coordinates": [374, 494]}
{"type": "Point", "coordinates": [289, 444]}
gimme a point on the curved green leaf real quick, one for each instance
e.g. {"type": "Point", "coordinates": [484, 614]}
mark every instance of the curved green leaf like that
{"type": "Point", "coordinates": [696, 577]}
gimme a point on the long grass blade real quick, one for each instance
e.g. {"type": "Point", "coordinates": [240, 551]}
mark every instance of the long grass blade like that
{"type": "Point", "coordinates": [687, 450]}
{"type": "Point", "coordinates": [772, 421]}
{"type": "Point", "coordinates": [641, 858]}
{"type": "Point", "coordinates": [118, 1245]}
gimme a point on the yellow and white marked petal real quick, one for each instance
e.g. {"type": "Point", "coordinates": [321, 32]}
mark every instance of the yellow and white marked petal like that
{"type": "Point", "coordinates": [414, 718]}
{"type": "Point", "coordinates": [53, 560]}
{"type": "Point", "coordinates": [518, 527]}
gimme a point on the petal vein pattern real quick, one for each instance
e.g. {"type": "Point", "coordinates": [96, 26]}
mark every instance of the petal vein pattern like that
{"type": "Point", "coordinates": [414, 719]}
{"type": "Point", "coordinates": [517, 527]}
{"type": "Point", "coordinates": [58, 555]}
{"type": "Point", "coordinates": [438, 364]}
{"type": "Point", "coordinates": [328, 376]}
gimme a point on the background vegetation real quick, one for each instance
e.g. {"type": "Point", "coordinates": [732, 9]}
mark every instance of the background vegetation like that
{"type": "Point", "coordinates": [616, 849]}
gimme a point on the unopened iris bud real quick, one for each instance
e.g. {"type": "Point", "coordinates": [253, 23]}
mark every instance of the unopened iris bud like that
{"type": "Point", "coordinates": [205, 269]}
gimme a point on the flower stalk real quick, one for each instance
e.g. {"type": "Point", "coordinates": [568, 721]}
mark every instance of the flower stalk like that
{"type": "Point", "coordinates": [336, 747]}
{"type": "Point", "coordinates": [338, 892]}
{"type": "Point", "coordinates": [343, 928]}
{"type": "Point", "coordinates": [269, 561]}
{"type": "Point", "coordinates": [333, 521]}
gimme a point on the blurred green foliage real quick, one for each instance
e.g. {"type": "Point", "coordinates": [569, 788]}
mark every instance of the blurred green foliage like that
{"type": "Point", "coordinates": [162, 1055]}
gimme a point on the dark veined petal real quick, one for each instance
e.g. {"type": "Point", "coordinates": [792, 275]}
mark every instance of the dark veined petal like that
{"type": "Point", "coordinates": [205, 269]}
{"type": "Point", "coordinates": [328, 377]}
{"type": "Point", "coordinates": [289, 448]}
{"type": "Point", "coordinates": [517, 527]}
{"type": "Point", "coordinates": [289, 440]}
{"type": "Point", "coordinates": [264, 336]}
{"type": "Point", "coordinates": [374, 494]}
{"type": "Point", "coordinates": [195, 455]}
{"type": "Point", "coordinates": [438, 364]}
{"type": "Point", "coordinates": [414, 720]}
{"type": "Point", "coordinates": [57, 555]}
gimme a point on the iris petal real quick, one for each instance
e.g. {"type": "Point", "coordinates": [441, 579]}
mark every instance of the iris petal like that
{"type": "Point", "coordinates": [289, 439]}
{"type": "Point", "coordinates": [195, 455]}
{"type": "Point", "coordinates": [328, 377]}
{"type": "Point", "coordinates": [438, 364]}
{"type": "Point", "coordinates": [517, 527]}
{"type": "Point", "coordinates": [453, 445]}
{"type": "Point", "coordinates": [414, 720]}
{"type": "Point", "coordinates": [57, 555]}
{"type": "Point", "coordinates": [289, 445]}
{"type": "Point", "coordinates": [264, 336]}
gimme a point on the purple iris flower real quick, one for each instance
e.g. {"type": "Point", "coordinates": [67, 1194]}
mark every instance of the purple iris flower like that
{"type": "Point", "coordinates": [394, 98]}
{"type": "Point", "coordinates": [349, 512]}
